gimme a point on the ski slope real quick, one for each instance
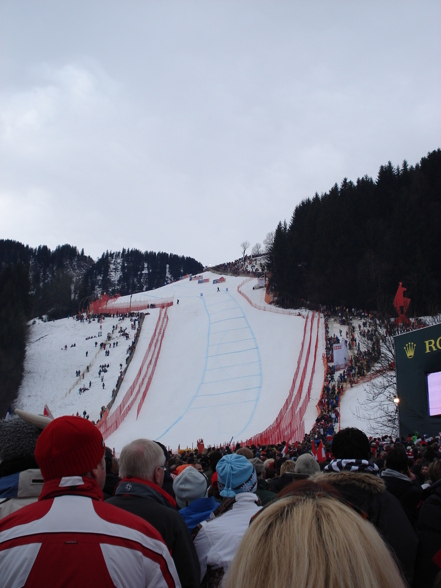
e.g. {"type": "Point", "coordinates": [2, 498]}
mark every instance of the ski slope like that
{"type": "Point", "coordinates": [225, 366]}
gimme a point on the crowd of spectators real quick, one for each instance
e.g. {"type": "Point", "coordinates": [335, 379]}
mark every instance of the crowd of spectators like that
{"type": "Point", "coordinates": [215, 516]}
{"type": "Point", "coordinates": [364, 511]}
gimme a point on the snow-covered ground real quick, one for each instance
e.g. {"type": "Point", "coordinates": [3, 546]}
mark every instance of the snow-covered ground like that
{"type": "Point", "coordinates": [224, 370]}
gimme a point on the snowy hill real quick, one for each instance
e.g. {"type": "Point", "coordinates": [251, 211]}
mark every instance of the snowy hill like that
{"type": "Point", "coordinates": [224, 367]}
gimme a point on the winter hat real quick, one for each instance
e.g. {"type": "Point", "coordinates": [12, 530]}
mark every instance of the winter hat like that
{"type": "Point", "coordinates": [235, 475]}
{"type": "Point", "coordinates": [258, 466]}
{"type": "Point", "coordinates": [306, 464]}
{"type": "Point", "coordinates": [246, 452]}
{"type": "Point", "coordinates": [69, 446]}
{"type": "Point", "coordinates": [189, 486]}
{"type": "Point", "coordinates": [181, 468]}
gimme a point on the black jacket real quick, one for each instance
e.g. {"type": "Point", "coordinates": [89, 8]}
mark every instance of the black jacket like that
{"type": "Point", "coordinates": [144, 501]}
{"type": "Point", "coordinates": [429, 533]}
{"type": "Point", "coordinates": [408, 493]}
{"type": "Point", "coordinates": [368, 492]}
{"type": "Point", "coordinates": [278, 483]}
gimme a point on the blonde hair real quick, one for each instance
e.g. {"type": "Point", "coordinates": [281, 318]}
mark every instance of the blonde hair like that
{"type": "Point", "coordinates": [140, 458]}
{"type": "Point", "coordinates": [312, 541]}
{"type": "Point", "coordinates": [287, 466]}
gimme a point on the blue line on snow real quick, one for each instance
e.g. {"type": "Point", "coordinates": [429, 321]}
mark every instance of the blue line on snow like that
{"type": "Point", "coordinates": [230, 342]}
{"type": "Point", "coordinates": [225, 404]}
{"type": "Point", "coordinates": [231, 366]}
{"type": "Point", "coordinates": [207, 357]}
{"type": "Point", "coordinates": [231, 352]}
{"type": "Point", "coordinates": [231, 392]}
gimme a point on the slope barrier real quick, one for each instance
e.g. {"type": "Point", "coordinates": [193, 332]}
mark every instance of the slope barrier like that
{"type": "Point", "coordinates": [141, 384]}
{"type": "Point", "coordinates": [266, 307]}
{"type": "Point", "coordinates": [289, 424]}
{"type": "Point", "coordinates": [107, 305]}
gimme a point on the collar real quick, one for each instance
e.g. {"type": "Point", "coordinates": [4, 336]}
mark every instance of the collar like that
{"type": "Point", "coordinates": [388, 473]}
{"type": "Point", "coordinates": [130, 486]}
{"type": "Point", "coordinates": [72, 485]}
{"type": "Point", "coordinates": [352, 465]}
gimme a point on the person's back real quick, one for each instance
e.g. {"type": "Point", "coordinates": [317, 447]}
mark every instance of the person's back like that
{"type": "Point", "coordinates": [140, 492]}
{"type": "Point", "coordinates": [218, 539]}
{"type": "Point", "coordinates": [396, 476]}
{"type": "Point", "coordinates": [358, 481]}
{"type": "Point", "coordinates": [70, 537]}
{"type": "Point", "coordinates": [429, 529]}
{"type": "Point", "coordinates": [309, 539]}
{"type": "Point", "coordinates": [20, 479]}
{"type": "Point", "coordinates": [190, 488]}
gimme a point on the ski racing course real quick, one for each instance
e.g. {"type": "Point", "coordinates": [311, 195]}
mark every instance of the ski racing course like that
{"type": "Point", "coordinates": [227, 365]}
{"type": "Point", "coordinates": [215, 363]}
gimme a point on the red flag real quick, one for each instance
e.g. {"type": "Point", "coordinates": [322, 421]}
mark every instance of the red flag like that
{"type": "Point", "coordinates": [313, 449]}
{"type": "Point", "coordinates": [321, 453]}
{"type": "Point", "coordinates": [47, 412]}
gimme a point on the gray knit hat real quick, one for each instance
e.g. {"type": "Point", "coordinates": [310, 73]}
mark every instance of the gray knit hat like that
{"type": "Point", "coordinates": [189, 486]}
{"type": "Point", "coordinates": [258, 466]}
{"type": "Point", "coordinates": [306, 464]}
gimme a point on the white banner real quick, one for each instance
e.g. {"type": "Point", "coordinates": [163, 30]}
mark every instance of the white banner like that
{"type": "Point", "coordinates": [341, 356]}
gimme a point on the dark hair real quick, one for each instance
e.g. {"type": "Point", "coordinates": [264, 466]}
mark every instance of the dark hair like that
{"type": "Point", "coordinates": [435, 470]}
{"type": "Point", "coordinates": [213, 458]}
{"type": "Point", "coordinates": [351, 443]}
{"type": "Point", "coordinates": [108, 457]}
{"type": "Point", "coordinates": [397, 459]}
{"type": "Point", "coordinates": [164, 450]}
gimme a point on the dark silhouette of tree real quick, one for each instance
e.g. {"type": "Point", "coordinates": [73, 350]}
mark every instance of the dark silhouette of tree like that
{"type": "Point", "coordinates": [15, 307]}
{"type": "Point", "coordinates": [353, 244]}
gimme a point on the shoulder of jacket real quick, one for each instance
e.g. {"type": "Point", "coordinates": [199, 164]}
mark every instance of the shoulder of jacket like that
{"type": "Point", "coordinates": [364, 481]}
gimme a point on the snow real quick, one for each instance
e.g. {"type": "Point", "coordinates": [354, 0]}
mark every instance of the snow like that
{"type": "Point", "coordinates": [224, 370]}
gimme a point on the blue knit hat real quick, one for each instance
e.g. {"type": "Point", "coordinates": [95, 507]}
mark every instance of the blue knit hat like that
{"type": "Point", "coordinates": [235, 474]}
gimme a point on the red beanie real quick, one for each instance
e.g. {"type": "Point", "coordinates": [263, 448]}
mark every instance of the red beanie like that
{"type": "Point", "coordinates": [69, 446]}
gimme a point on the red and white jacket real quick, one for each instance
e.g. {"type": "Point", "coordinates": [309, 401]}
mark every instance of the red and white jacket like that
{"type": "Point", "coordinates": [71, 538]}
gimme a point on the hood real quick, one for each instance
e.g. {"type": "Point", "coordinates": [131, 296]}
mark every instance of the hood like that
{"type": "Point", "coordinates": [365, 482]}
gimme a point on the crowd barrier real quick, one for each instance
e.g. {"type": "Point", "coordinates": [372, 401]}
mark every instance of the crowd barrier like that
{"type": "Point", "coordinates": [110, 423]}
{"type": "Point", "coordinates": [266, 307]}
{"type": "Point", "coordinates": [107, 305]}
{"type": "Point", "coordinates": [151, 368]}
{"type": "Point", "coordinates": [289, 424]}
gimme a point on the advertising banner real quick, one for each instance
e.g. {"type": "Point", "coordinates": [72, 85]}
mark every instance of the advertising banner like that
{"type": "Point", "coordinates": [341, 355]}
{"type": "Point", "coordinates": [418, 366]}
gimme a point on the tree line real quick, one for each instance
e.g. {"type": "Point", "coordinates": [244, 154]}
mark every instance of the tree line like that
{"type": "Point", "coordinates": [353, 245]}
{"type": "Point", "coordinates": [64, 280]}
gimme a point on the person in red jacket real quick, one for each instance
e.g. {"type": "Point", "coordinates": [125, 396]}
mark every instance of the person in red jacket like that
{"type": "Point", "coordinates": [71, 537]}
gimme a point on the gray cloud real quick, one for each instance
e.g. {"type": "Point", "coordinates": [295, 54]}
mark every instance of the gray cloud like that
{"type": "Point", "coordinates": [191, 126]}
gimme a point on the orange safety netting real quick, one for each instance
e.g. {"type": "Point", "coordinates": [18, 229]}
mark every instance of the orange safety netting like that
{"type": "Point", "coordinates": [141, 384]}
{"type": "Point", "coordinates": [114, 305]}
{"type": "Point", "coordinates": [289, 424]}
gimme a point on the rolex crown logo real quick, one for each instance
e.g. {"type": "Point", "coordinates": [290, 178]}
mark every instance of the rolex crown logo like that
{"type": "Point", "coordinates": [409, 348]}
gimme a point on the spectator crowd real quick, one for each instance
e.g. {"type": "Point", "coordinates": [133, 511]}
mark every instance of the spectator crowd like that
{"type": "Point", "coordinates": [337, 509]}
{"type": "Point", "coordinates": [71, 514]}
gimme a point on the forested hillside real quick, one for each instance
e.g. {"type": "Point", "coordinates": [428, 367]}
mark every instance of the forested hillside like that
{"type": "Point", "coordinates": [134, 271]}
{"type": "Point", "coordinates": [354, 244]}
{"type": "Point", "coordinates": [36, 282]}
{"type": "Point", "coordinates": [15, 307]}
{"type": "Point", "coordinates": [63, 280]}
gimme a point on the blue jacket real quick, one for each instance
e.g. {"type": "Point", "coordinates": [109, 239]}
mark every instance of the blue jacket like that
{"type": "Point", "coordinates": [199, 510]}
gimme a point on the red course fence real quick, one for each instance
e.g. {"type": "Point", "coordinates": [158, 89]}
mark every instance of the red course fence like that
{"type": "Point", "coordinates": [141, 384]}
{"type": "Point", "coordinates": [289, 424]}
{"type": "Point", "coordinates": [107, 305]}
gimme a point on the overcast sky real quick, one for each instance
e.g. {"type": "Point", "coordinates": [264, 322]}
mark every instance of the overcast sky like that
{"type": "Point", "coordinates": [191, 126]}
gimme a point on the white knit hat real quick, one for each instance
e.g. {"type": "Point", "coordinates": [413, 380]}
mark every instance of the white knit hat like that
{"type": "Point", "coordinates": [189, 486]}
